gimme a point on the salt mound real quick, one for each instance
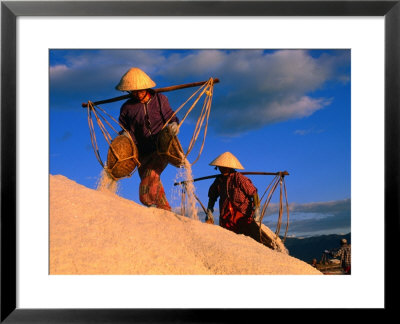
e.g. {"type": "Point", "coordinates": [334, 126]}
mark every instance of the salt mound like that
{"type": "Point", "coordinates": [98, 232]}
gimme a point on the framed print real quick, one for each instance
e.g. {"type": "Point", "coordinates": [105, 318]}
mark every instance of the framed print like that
{"type": "Point", "coordinates": [350, 47]}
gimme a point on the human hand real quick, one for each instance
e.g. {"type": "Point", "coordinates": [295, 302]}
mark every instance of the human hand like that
{"type": "Point", "coordinates": [209, 217]}
{"type": "Point", "coordinates": [174, 129]}
{"type": "Point", "coordinates": [123, 132]}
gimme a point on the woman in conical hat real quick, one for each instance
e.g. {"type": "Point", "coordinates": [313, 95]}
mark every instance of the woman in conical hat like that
{"type": "Point", "coordinates": [143, 116]}
{"type": "Point", "coordinates": [239, 204]}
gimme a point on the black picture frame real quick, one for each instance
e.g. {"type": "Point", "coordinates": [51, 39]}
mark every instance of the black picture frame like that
{"type": "Point", "coordinates": [10, 10]}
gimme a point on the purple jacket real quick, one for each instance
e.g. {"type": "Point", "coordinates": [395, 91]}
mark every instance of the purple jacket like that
{"type": "Point", "coordinates": [144, 121]}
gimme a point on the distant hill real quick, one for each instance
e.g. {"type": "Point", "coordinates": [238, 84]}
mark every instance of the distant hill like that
{"type": "Point", "coordinates": [309, 248]}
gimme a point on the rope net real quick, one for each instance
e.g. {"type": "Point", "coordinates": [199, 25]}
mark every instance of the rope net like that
{"type": "Point", "coordinates": [278, 180]}
{"type": "Point", "coordinates": [205, 90]}
{"type": "Point", "coordinates": [115, 155]}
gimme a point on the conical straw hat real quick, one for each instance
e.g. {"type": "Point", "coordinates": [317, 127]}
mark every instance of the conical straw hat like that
{"type": "Point", "coordinates": [227, 160]}
{"type": "Point", "coordinates": [135, 79]}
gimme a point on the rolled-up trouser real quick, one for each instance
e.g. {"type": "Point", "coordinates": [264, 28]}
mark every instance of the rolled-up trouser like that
{"type": "Point", "coordinates": [151, 190]}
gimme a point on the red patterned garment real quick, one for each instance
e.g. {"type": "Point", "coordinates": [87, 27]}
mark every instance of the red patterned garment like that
{"type": "Point", "coordinates": [151, 190]}
{"type": "Point", "coordinates": [234, 192]}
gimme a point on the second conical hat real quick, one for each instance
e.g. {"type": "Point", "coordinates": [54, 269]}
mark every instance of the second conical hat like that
{"type": "Point", "coordinates": [227, 160]}
{"type": "Point", "coordinates": [135, 79]}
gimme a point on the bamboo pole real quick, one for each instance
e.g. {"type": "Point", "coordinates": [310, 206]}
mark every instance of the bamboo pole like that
{"type": "Point", "coordinates": [165, 89]}
{"type": "Point", "coordinates": [280, 173]}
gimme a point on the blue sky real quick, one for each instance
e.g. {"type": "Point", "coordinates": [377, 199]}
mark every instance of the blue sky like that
{"type": "Point", "coordinates": [274, 110]}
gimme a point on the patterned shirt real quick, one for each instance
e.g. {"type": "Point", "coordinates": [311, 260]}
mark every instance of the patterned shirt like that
{"type": "Point", "coordinates": [144, 121]}
{"type": "Point", "coordinates": [344, 253]}
{"type": "Point", "coordinates": [235, 188]}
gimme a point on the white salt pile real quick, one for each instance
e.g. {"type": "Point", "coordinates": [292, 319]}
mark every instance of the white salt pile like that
{"type": "Point", "coordinates": [95, 232]}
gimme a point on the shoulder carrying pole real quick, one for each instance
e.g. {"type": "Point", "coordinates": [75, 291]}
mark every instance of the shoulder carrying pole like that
{"type": "Point", "coordinates": [280, 173]}
{"type": "Point", "coordinates": [166, 89]}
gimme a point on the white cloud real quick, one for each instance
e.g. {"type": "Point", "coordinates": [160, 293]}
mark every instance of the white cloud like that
{"type": "Point", "coordinates": [324, 207]}
{"type": "Point", "coordinates": [58, 70]}
{"type": "Point", "coordinates": [232, 119]}
{"type": "Point", "coordinates": [329, 217]}
{"type": "Point", "coordinates": [296, 108]}
{"type": "Point", "coordinates": [196, 63]}
{"type": "Point", "coordinates": [269, 87]}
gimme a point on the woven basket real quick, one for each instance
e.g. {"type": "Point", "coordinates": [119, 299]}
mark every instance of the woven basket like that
{"type": "Point", "coordinates": [168, 146]}
{"type": "Point", "coordinates": [122, 157]}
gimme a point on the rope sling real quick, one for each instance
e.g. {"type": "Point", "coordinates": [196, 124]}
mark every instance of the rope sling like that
{"type": "Point", "coordinates": [207, 90]}
{"type": "Point", "coordinates": [131, 159]}
{"type": "Point", "coordinates": [279, 179]}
